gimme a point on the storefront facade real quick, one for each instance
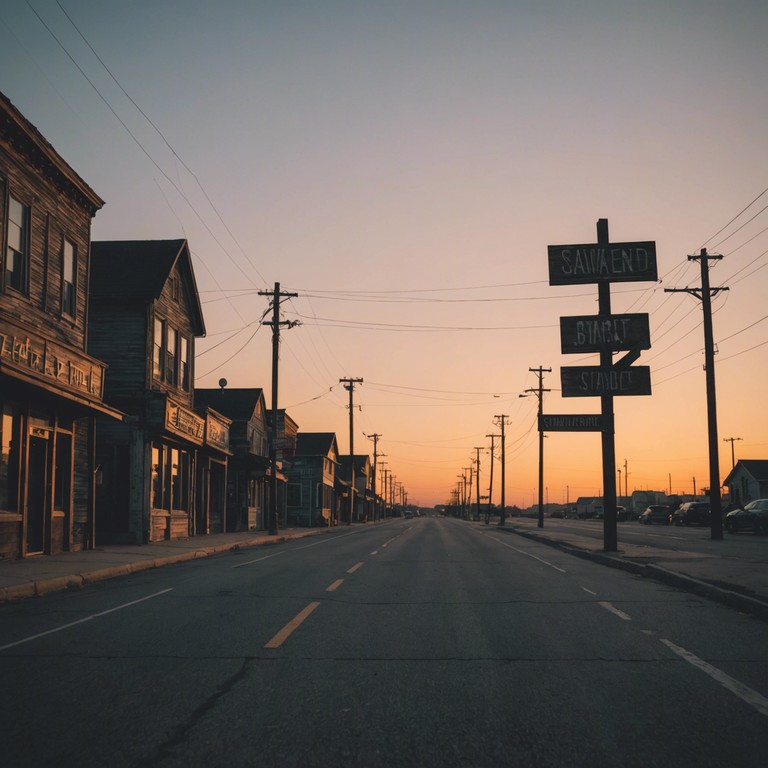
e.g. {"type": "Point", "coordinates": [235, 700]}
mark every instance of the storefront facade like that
{"type": "Point", "coordinates": [164, 471]}
{"type": "Point", "coordinates": [51, 388]}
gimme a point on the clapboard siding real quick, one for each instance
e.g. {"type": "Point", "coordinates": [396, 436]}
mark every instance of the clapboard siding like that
{"type": "Point", "coordinates": [53, 217]}
{"type": "Point", "coordinates": [118, 336]}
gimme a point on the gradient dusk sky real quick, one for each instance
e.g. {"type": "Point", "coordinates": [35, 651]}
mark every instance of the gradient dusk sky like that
{"type": "Point", "coordinates": [402, 166]}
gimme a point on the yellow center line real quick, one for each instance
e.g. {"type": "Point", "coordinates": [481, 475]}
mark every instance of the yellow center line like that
{"type": "Point", "coordinates": [291, 627]}
{"type": "Point", "coordinates": [336, 584]}
{"type": "Point", "coordinates": [355, 567]}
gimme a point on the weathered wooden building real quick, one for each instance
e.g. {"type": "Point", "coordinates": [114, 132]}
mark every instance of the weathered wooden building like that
{"type": "Point", "coordinates": [163, 473]}
{"type": "Point", "coordinates": [248, 472]}
{"type": "Point", "coordinates": [363, 493]}
{"type": "Point", "coordinates": [311, 480]}
{"type": "Point", "coordinates": [51, 388]}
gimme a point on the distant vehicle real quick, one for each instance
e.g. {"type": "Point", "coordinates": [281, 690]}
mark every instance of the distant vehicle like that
{"type": "Point", "coordinates": [655, 513]}
{"type": "Point", "coordinates": [407, 514]}
{"type": "Point", "coordinates": [693, 513]}
{"type": "Point", "coordinates": [754, 517]}
{"type": "Point", "coordinates": [621, 513]}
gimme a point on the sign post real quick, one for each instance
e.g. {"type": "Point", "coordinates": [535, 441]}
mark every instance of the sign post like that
{"type": "Point", "coordinates": [602, 263]}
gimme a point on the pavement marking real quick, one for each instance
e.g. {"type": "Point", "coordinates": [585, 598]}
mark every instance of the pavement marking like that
{"type": "Point", "coordinates": [326, 541]}
{"type": "Point", "coordinates": [375, 552]}
{"type": "Point", "coordinates": [355, 567]}
{"type": "Point", "coordinates": [258, 559]}
{"type": "Point", "coordinates": [291, 626]}
{"type": "Point", "coordinates": [589, 591]}
{"type": "Point", "coordinates": [336, 584]}
{"type": "Point", "coordinates": [746, 694]}
{"type": "Point", "coordinates": [527, 554]}
{"type": "Point", "coordinates": [83, 620]}
{"type": "Point", "coordinates": [614, 610]}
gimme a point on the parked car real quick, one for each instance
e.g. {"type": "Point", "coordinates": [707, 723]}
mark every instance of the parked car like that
{"type": "Point", "coordinates": [693, 513]}
{"type": "Point", "coordinates": [754, 517]}
{"type": "Point", "coordinates": [656, 513]}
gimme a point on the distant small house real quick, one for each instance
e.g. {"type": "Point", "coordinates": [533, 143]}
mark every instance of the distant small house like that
{"type": "Point", "coordinates": [748, 480]}
{"type": "Point", "coordinates": [311, 478]}
{"type": "Point", "coordinates": [363, 494]}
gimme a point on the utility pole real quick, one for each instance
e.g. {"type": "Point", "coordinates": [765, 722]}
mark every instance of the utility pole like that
{"type": "Point", "coordinates": [502, 422]}
{"type": "Point", "coordinates": [539, 392]}
{"type": "Point", "coordinates": [490, 486]}
{"type": "Point", "coordinates": [384, 472]}
{"type": "Point", "coordinates": [478, 481]}
{"type": "Point", "coordinates": [349, 385]}
{"type": "Point", "coordinates": [277, 295]}
{"type": "Point", "coordinates": [705, 294]}
{"type": "Point", "coordinates": [731, 440]}
{"type": "Point", "coordinates": [375, 439]}
{"type": "Point", "coordinates": [608, 437]}
{"type": "Point", "coordinates": [626, 475]}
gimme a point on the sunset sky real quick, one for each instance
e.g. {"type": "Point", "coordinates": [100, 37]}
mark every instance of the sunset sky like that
{"type": "Point", "coordinates": [402, 166]}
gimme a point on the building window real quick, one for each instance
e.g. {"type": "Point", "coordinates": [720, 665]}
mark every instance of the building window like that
{"type": "Point", "coordinates": [157, 477]}
{"type": "Point", "coordinates": [63, 472]}
{"type": "Point", "coordinates": [175, 293]}
{"type": "Point", "coordinates": [171, 363]}
{"type": "Point", "coordinates": [17, 254]}
{"type": "Point", "coordinates": [171, 478]}
{"type": "Point", "coordinates": [68, 279]}
{"type": "Point", "coordinates": [170, 356]}
{"type": "Point", "coordinates": [158, 350]}
{"type": "Point", "coordinates": [184, 363]}
{"type": "Point", "coordinates": [9, 458]}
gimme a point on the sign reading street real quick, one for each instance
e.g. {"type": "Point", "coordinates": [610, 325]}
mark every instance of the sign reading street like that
{"type": "Point", "coordinates": [576, 422]}
{"type": "Point", "coordinates": [598, 333]}
{"type": "Point", "coordinates": [595, 263]}
{"type": "Point", "coordinates": [598, 381]}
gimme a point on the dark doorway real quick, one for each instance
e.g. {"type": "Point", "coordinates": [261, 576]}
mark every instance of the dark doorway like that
{"type": "Point", "coordinates": [37, 482]}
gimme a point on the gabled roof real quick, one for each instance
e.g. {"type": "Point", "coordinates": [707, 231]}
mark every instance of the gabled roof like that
{"type": "Point", "coordinates": [316, 444]}
{"type": "Point", "coordinates": [139, 269]}
{"type": "Point", "coordinates": [235, 404]}
{"type": "Point", "coordinates": [362, 462]}
{"type": "Point", "coordinates": [29, 142]}
{"type": "Point", "coordinates": [758, 468]}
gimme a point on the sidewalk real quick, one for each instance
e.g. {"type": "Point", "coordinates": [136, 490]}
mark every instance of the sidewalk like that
{"type": "Point", "coordinates": [42, 574]}
{"type": "Point", "coordinates": [724, 575]}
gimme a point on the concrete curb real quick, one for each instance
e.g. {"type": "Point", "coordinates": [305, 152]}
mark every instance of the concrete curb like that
{"type": "Point", "coordinates": [40, 587]}
{"type": "Point", "coordinates": [753, 606]}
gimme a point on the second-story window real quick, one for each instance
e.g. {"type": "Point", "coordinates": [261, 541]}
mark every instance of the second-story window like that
{"type": "Point", "coordinates": [158, 350]}
{"type": "Point", "coordinates": [17, 253]}
{"type": "Point", "coordinates": [170, 356]}
{"type": "Point", "coordinates": [184, 363]}
{"type": "Point", "coordinates": [68, 279]}
{"type": "Point", "coordinates": [171, 362]}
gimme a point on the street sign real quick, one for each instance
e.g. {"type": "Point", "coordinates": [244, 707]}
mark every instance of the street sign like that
{"type": "Point", "coordinates": [598, 333]}
{"type": "Point", "coordinates": [596, 263]}
{"type": "Point", "coordinates": [576, 422]}
{"type": "Point", "coordinates": [598, 381]}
